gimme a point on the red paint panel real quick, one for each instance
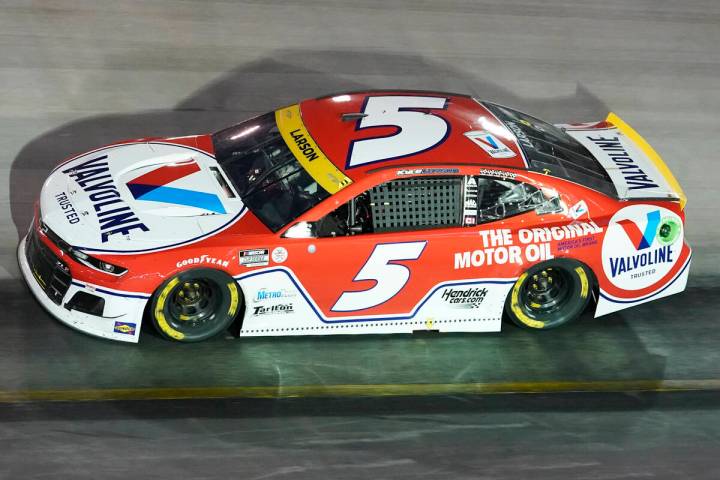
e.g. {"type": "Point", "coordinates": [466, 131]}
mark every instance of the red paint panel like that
{"type": "Point", "coordinates": [167, 174]}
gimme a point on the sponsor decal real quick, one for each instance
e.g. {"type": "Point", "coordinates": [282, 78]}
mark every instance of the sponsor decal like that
{"type": "Point", "coordinates": [203, 259]}
{"type": "Point", "coordinates": [258, 257]}
{"type": "Point", "coordinates": [464, 297]}
{"type": "Point", "coordinates": [307, 148]}
{"type": "Point", "coordinates": [501, 247]}
{"type": "Point", "coordinates": [470, 201]}
{"type": "Point", "coordinates": [427, 171]}
{"type": "Point", "coordinates": [489, 172]}
{"type": "Point", "coordinates": [490, 143]}
{"type": "Point", "coordinates": [634, 176]}
{"type": "Point", "coordinates": [67, 207]}
{"type": "Point", "coordinates": [641, 246]}
{"type": "Point", "coordinates": [114, 215]}
{"type": "Point", "coordinates": [578, 210]}
{"type": "Point", "coordinates": [520, 135]}
{"type": "Point", "coordinates": [125, 328]}
{"type": "Point", "coordinates": [575, 243]}
{"type": "Point", "coordinates": [279, 308]}
{"type": "Point", "coordinates": [265, 294]}
{"type": "Point", "coordinates": [152, 187]}
{"type": "Point", "coordinates": [307, 152]}
{"type": "Point", "coordinates": [279, 255]}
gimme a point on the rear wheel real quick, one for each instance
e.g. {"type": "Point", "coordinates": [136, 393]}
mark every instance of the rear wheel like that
{"type": "Point", "coordinates": [195, 305]}
{"type": "Point", "coordinates": [549, 294]}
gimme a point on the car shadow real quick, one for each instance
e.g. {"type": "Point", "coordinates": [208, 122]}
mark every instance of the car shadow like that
{"type": "Point", "coordinates": [262, 85]}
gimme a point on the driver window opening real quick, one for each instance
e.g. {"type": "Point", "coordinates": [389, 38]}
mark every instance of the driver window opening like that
{"type": "Point", "coordinates": [399, 205]}
{"type": "Point", "coordinates": [430, 202]}
{"type": "Point", "coordinates": [490, 199]}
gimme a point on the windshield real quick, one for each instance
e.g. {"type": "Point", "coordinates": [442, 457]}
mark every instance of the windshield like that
{"type": "Point", "coordinates": [266, 174]}
{"type": "Point", "coordinates": [550, 150]}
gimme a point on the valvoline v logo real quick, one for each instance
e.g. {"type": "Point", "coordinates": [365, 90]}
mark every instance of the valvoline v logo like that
{"type": "Point", "coordinates": [152, 186]}
{"type": "Point", "coordinates": [490, 143]}
{"type": "Point", "coordinates": [644, 239]}
{"type": "Point", "coordinates": [642, 248]}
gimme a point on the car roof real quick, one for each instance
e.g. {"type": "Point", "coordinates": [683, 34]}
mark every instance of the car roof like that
{"type": "Point", "coordinates": [323, 117]}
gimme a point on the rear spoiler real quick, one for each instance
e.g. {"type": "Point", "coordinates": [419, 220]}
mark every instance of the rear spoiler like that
{"type": "Point", "coordinates": [651, 154]}
{"type": "Point", "coordinates": [635, 168]}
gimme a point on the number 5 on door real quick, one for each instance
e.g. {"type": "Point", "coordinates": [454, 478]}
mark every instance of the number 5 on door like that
{"type": "Point", "coordinates": [390, 277]}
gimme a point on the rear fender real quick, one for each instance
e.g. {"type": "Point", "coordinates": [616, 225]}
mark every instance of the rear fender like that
{"type": "Point", "coordinates": [643, 257]}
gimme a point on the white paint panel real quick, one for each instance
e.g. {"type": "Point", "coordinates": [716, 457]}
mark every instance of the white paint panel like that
{"type": "Point", "coordinates": [433, 312]}
{"type": "Point", "coordinates": [609, 304]}
{"type": "Point", "coordinates": [117, 308]}
{"type": "Point", "coordinates": [630, 170]}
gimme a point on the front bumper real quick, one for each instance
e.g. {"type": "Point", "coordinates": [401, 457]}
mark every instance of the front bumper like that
{"type": "Point", "coordinates": [122, 311]}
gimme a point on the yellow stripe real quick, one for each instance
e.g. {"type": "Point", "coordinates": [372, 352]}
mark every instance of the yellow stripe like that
{"type": "Point", "coordinates": [234, 298]}
{"type": "Point", "coordinates": [371, 390]}
{"type": "Point", "coordinates": [651, 154]}
{"type": "Point", "coordinates": [584, 284]}
{"type": "Point", "coordinates": [310, 157]}
{"type": "Point", "coordinates": [160, 314]}
{"type": "Point", "coordinates": [515, 305]}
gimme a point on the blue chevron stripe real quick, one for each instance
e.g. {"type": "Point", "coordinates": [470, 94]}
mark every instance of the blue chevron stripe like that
{"type": "Point", "coordinates": [178, 196]}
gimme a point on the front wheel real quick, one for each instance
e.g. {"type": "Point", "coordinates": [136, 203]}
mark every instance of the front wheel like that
{"type": "Point", "coordinates": [549, 294]}
{"type": "Point", "coordinates": [195, 305]}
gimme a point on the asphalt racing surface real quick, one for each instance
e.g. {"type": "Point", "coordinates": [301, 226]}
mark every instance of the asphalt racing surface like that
{"type": "Point", "coordinates": [633, 394]}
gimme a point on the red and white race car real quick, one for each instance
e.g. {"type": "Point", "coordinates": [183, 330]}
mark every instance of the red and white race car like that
{"type": "Point", "coordinates": [370, 212]}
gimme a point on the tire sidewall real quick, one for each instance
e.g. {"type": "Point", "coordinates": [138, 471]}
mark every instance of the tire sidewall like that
{"type": "Point", "coordinates": [582, 281]}
{"type": "Point", "coordinates": [225, 312]}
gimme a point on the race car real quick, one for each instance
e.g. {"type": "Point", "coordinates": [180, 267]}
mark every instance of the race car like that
{"type": "Point", "coordinates": [364, 212]}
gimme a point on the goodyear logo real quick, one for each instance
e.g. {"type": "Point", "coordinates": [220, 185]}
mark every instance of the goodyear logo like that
{"type": "Point", "coordinates": [125, 328]}
{"type": "Point", "coordinates": [307, 152]}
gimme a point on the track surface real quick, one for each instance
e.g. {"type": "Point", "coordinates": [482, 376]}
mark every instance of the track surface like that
{"type": "Point", "coordinates": [674, 436]}
{"type": "Point", "coordinates": [664, 340]}
{"type": "Point", "coordinates": [75, 75]}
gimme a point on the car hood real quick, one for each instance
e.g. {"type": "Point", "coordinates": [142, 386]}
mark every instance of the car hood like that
{"type": "Point", "coordinates": [138, 197]}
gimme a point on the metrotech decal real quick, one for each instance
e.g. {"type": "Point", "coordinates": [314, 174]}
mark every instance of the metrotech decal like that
{"type": "Point", "coordinates": [642, 244]}
{"type": "Point", "coordinates": [115, 216]}
{"type": "Point", "coordinates": [152, 187]}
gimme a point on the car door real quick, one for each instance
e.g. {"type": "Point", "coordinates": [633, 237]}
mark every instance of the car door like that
{"type": "Point", "coordinates": [392, 267]}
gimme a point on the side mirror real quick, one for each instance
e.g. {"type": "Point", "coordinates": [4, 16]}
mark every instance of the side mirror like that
{"type": "Point", "coordinates": [301, 230]}
{"type": "Point", "coordinates": [551, 205]}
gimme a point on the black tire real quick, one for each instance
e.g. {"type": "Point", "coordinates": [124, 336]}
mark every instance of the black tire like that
{"type": "Point", "coordinates": [195, 305]}
{"type": "Point", "coordinates": [550, 294]}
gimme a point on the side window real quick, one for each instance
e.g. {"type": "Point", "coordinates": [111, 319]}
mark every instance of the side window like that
{"type": "Point", "coordinates": [433, 202]}
{"type": "Point", "coordinates": [489, 199]}
{"type": "Point", "coordinates": [399, 205]}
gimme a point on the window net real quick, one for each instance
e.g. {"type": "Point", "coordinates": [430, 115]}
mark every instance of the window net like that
{"type": "Point", "coordinates": [416, 203]}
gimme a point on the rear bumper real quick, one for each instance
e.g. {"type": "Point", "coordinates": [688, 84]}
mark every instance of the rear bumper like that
{"type": "Point", "coordinates": [122, 313]}
{"type": "Point", "coordinates": [608, 303]}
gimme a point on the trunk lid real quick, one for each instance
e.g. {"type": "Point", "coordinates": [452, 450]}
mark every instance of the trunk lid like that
{"type": "Point", "coordinates": [635, 168]}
